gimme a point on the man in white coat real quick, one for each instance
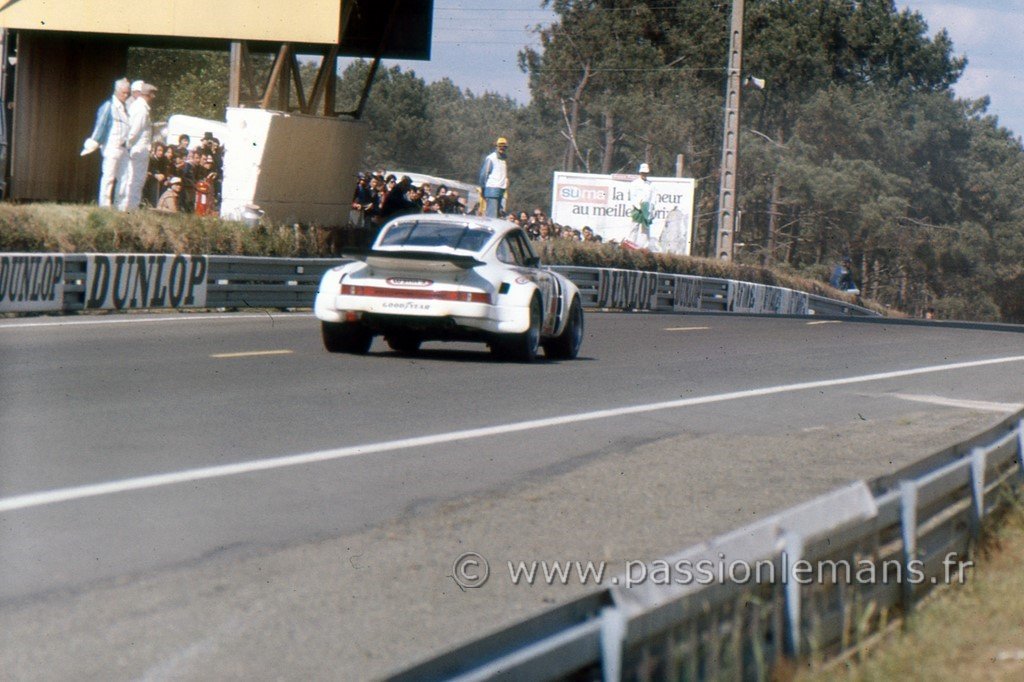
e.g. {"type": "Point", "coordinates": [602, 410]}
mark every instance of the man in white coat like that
{"type": "Point", "coordinates": [111, 134]}
{"type": "Point", "coordinates": [642, 199]}
{"type": "Point", "coordinates": [140, 139]}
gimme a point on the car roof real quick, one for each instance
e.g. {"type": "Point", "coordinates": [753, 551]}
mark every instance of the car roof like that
{"type": "Point", "coordinates": [498, 226]}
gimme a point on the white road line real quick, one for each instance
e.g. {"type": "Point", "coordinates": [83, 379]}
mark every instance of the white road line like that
{"type": "Point", "coordinates": [191, 475]}
{"type": "Point", "coordinates": [197, 317]}
{"type": "Point", "coordinates": [251, 353]}
{"type": "Point", "coordinates": [811, 324]}
{"type": "Point", "coordinates": [982, 405]}
{"type": "Point", "coordinates": [685, 329]}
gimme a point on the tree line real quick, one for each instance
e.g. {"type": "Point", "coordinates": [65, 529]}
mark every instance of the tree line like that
{"type": "Point", "coordinates": [855, 145]}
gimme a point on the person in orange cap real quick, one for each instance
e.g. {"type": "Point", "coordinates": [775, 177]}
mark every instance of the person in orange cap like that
{"type": "Point", "coordinates": [494, 179]}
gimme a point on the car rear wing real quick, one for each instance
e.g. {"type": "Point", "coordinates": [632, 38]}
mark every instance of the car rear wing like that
{"type": "Point", "coordinates": [419, 261]}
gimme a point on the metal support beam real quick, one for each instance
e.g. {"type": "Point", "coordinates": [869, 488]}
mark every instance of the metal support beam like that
{"type": "Point", "coordinates": [283, 85]}
{"type": "Point", "coordinates": [331, 91]}
{"type": "Point", "coordinates": [297, 77]}
{"type": "Point", "coordinates": [248, 73]}
{"type": "Point", "coordinates": [235, 74]}
{"type": "Point", "coordinates": [727, 222]}
{"type": "Point", "coordinates": [325, 75]}
{"type": "Point", "coordinates": [358, 113]}
{"type": "Point", "coordinates": [273, 82]}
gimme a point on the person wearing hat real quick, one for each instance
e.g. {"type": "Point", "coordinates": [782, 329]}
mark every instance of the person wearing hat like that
{"type": "Point", "coordinates": [169, 199]}
{"type": "Point", "coordinates": [140, 138]}
{"type": "Point", "coordinates": [642, 199]}
{"type": "Point", "coordinates": [494, 178]}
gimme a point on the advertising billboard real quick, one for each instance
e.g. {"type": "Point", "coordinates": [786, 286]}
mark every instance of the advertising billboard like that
{"type": "Point", "coordinates": [602, 202]}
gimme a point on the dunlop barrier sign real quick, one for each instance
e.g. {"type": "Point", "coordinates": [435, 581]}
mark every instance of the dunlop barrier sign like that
{"type": "Point", "coordinates": [686, 293]}
{"type": "Point", "coordinates": [745, 297]}
{"type": "Point", "coordinates": [626, 289]}
{"type": "Point", "coordinates": [31, 282]}
{"type": "Point", "coordinates": [130, 281]}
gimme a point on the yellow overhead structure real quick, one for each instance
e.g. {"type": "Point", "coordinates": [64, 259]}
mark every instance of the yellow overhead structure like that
{"type": "Point", "coordinates": [309, 21]}
{"type": "Point", "coordinates": [397, 29]}
{"type": "Point", "coordinates": [58, 59]}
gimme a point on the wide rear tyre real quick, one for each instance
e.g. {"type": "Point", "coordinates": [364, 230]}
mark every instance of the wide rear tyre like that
{"type": "Point", "coordinates": [346, 337]}
{"type": "Point", "coordinates": [566, 346]}
{"type": "Point", "coordinates": [521, 347]}
{"type": "Point", "coordinates": [406, 344]}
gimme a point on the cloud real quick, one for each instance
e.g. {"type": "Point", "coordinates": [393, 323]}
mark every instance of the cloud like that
{"type": "Point", "coordinates": [990, 33]}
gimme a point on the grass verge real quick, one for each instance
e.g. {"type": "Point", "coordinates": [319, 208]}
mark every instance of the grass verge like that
{"type": "Point", "coordinates": [66, 228]}
{"type": "Point", "coordinates": [965, 632]}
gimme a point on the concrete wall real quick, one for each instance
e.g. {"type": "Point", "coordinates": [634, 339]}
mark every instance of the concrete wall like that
{"type": "Point", "coordinates": [294, 167]}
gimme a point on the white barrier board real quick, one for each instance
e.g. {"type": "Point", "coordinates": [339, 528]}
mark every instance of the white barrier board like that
{"type": "Point", "coordinates": [135, 281]}
{"type": "Point", "coordinates": [31, 282]}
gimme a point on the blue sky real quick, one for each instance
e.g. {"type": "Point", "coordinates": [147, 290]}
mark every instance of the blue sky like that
{"type": "Point", "coordinates": [476, 43]}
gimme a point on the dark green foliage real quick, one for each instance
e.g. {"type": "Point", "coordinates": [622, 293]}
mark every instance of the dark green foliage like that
{"type": "Point", "coordinates": [191, 82]}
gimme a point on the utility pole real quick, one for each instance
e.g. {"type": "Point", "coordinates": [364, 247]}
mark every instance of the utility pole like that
{"type": "Point", "coordinates": [727, 222]}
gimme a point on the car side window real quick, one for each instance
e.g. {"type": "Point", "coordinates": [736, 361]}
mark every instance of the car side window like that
{"type": "Point", "coordinates": [505, 253]}
{"type": "Point", "coordinates": [524, 246]}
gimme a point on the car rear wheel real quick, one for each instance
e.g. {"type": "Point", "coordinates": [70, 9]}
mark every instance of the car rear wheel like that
{"type": "Point", "coordinates": [522, 347]}
{"type": "Point", "coordinates": [566, 345]}
{"type": "Point", "coordinates": [406, 344]}
{"type": "Point", "coordinates": [346, 337]}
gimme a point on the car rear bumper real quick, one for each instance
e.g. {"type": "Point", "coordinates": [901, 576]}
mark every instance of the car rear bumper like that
{"type": "Point", "coordinates": [429, 314]}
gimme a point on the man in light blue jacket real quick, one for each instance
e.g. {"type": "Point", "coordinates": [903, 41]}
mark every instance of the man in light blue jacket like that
{"type": "Point", "coordinates": [494, 178]}
{"type": "Point", "coordinates": [111, 135]}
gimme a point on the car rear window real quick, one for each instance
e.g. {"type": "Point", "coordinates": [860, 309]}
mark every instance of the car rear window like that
{"type": "Point", "coordinates": [453, 236]}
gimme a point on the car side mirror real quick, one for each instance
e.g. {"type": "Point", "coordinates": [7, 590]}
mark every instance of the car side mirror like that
{"type": "Point", "coordinates": [533, 261]}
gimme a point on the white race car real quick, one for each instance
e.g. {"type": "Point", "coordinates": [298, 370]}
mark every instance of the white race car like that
{"type": "Point", "coordinates": [452, 278]}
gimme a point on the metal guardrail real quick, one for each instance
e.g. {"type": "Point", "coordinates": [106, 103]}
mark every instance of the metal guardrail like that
{"type": "Point", "coordinates": [133, 281]}
{"type": "Point", "coordinates": [231, 281]}
{"type": "Point", "coordinates": [919, 522]}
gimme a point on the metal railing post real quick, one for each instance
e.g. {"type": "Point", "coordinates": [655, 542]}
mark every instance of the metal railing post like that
{"type": "Point", "coordinates": [792, 552]}
{"type": "Point", "coordinates": [1020, 451]}
{"type": "Point", "coordinates": [908, 522]}
{"type": "Point", "coordinates": [978, 459]}
{"type": "Point", "coordinates": [613, 633]}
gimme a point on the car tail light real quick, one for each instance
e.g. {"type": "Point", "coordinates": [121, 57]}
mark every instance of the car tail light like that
{"type": "Point", "coordinates": [388, 292]}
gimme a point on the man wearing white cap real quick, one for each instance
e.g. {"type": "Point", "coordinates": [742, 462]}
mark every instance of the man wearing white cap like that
{"type": "Point", "coordinates": [642, 199]}
{"type": "Point", "coordinates": [140, 138]}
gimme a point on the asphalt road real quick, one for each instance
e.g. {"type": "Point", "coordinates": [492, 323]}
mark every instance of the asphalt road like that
{"type": "Point", "coordinates": [215, 496]}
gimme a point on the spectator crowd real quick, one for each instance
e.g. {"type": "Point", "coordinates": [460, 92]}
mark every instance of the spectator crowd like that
{"type": "Point", "coordinates": [380, 196]}
{"type": "Point", "coordinates": [185, 178]}
{"type": "Point", "coordinates": [137, 171]}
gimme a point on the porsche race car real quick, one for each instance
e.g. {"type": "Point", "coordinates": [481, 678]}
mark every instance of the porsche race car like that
{"type": "Point", "coordinates": [450, 278]}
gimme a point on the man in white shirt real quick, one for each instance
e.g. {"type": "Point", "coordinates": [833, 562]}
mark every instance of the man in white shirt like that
{"type": "Point", "coordinates": [140, 139]}
{"type": "Point", "coordinates": [110, 134]}
{"type": "Point", "coordinates": [642, 199]}
{"type": "Point", "coordinates": [494, 178]}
